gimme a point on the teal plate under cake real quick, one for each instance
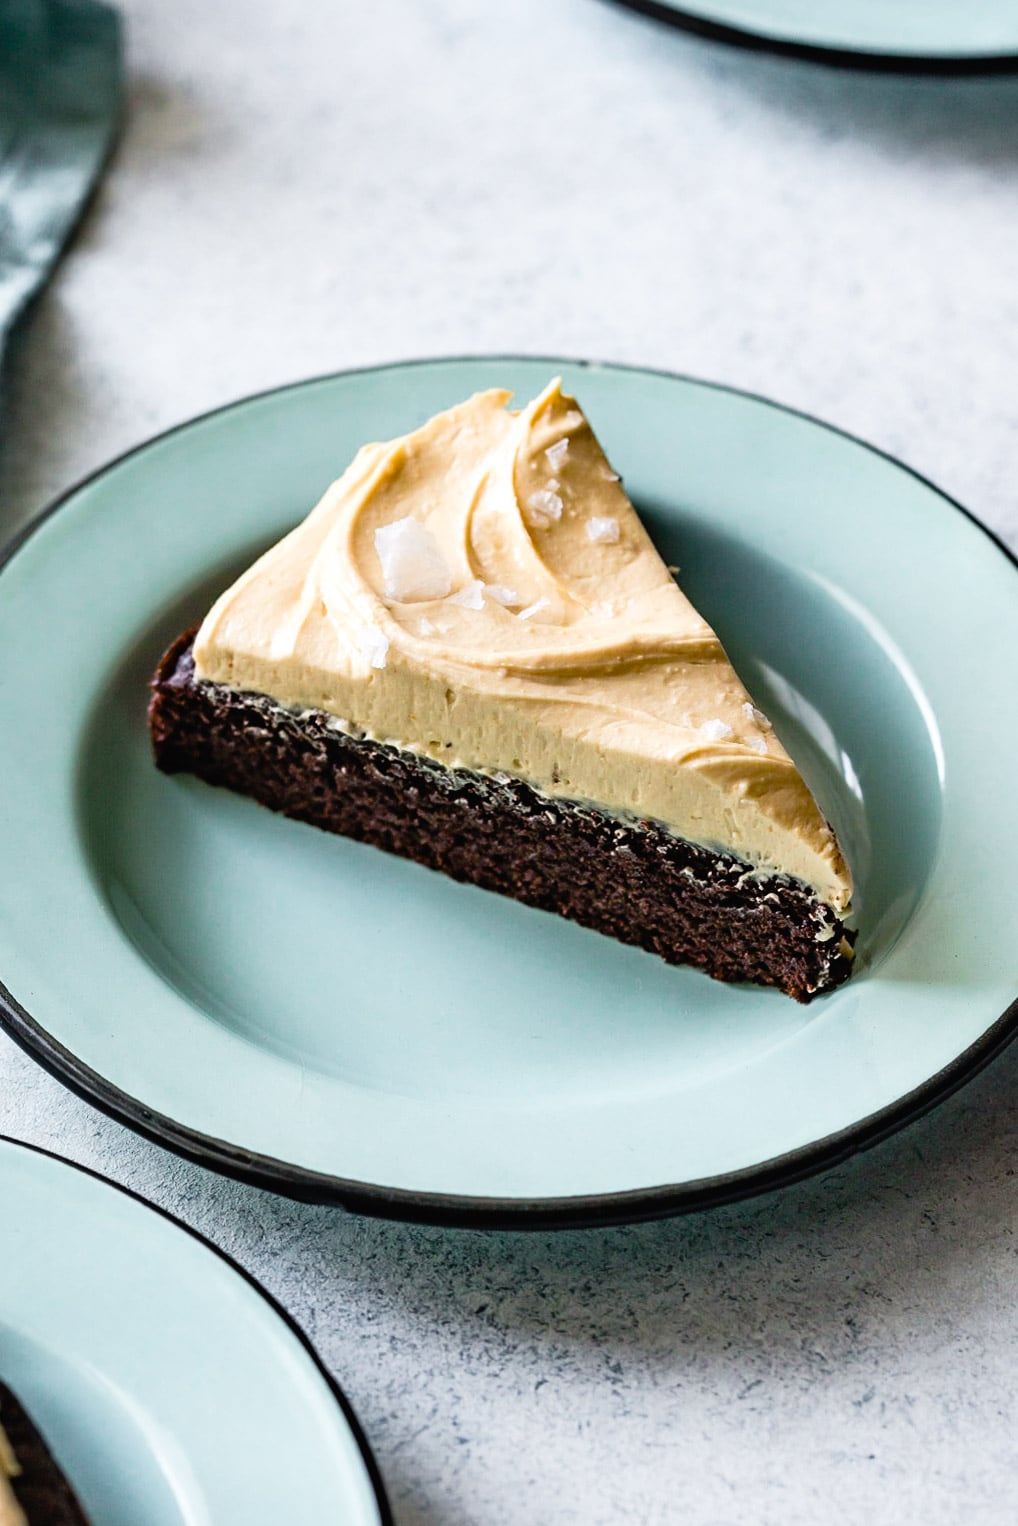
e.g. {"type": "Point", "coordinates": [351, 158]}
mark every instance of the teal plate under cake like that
{"type": "Point", "coordinates": [906, 36]}
{"type": "Point", "coordinates": [308, 1013]}
{"type": "Point", "coordinates": [167, 1385]}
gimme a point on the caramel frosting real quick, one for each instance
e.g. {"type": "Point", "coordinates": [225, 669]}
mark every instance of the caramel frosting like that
{"type": "Point", "coordinates": [482, 592]}
{"type": "Point", "coordinates": [11, 1513]}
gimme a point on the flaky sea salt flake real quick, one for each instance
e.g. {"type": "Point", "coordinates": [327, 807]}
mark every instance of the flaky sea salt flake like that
{"type": "Point", "coordinates": [500, 594]}
{"type": "Point", "coordinates": [471, 596]}
{"type": "Point", "coordinates": [411, 560]}
{"type": "Point", "coordinates": [544, 508]}
{"type": "Point", "coordinates": [603, 531]}
{"type": "Point", "coordinates": [756, 716]}
{"type": "Point", "coordinates": [557, 453]}
{"type": "Point", "coordinates": [533, 609]}
{"type": "Point", "coordinates": [715, 730]}
{"type": "Point", "coordinates": [372, 644]}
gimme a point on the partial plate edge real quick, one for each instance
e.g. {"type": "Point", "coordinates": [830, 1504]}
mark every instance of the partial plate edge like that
{"type": "Point", "coordinates": [833, 57]}
{"type": "Point", "coordinates": [461, 1212]}
{"type": "Point", "coordinates": [346, 1408]}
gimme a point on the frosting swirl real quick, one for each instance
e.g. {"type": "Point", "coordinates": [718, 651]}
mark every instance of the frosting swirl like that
{"type": "Point", "coordinates": [483, 592]}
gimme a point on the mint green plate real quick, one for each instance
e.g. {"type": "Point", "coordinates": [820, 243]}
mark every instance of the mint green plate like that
{"type": "Point", "coordinates": [168, 1386]}
{"type": "Point", "coordinates": [316, 1016]}
{"type": "Point", "coordinates": [907, 36]}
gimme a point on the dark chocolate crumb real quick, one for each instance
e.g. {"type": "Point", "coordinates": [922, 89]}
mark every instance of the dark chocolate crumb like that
{"type": "Point", "coordinates": [631, 881]}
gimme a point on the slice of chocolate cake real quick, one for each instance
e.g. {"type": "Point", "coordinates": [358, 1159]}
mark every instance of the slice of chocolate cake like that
{"type": "Point", "coordinates": [33, 1490]}
{"type": "Point", "coordinates": [471, 654]}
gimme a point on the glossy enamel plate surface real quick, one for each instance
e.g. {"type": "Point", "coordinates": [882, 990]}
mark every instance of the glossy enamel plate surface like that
{"type": "Point", "coordinates": [921, 36]}
{"type": "Point", "coordinates": [312, 1014]}
{"type": "Point", "coordinates": [167, 1386]}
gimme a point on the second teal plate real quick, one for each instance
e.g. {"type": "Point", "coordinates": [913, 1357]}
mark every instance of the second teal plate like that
{"type": "Point", "coordinates": [170, 1390]}
{"type": "Point", "coordinates": [907, 36]}
{"type": "Point", "coordinates": [314, 1015]}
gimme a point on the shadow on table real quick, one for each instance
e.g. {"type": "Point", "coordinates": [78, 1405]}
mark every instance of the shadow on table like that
{"type": "Point", "coordinates": [958, 120]}
{"type": "Point", "coordinates": [970, 123]}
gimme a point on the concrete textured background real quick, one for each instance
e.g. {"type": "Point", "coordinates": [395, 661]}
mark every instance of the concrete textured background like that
{"type": "Point", "coordinates": [303, 188]}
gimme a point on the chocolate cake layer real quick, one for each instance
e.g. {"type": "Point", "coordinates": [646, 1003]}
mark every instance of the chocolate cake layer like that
{"type": "Point", "coordinates": [42, 1491]}
{"type": "Point", "coordinates": [632, 881]}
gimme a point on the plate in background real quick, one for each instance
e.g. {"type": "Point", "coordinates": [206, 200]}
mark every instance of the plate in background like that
{"type": "Point", "coordinates": [906, 36]}
{"type": "Point", "coordinates": [169, 1387]}
{"type": "Point", "coordinates": [316, 1016]}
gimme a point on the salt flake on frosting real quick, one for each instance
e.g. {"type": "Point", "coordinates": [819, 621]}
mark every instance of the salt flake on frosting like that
{"type": "Point", "coordinates": [756, 716]}
{"type": "Point", "coordinates": [557, 453]}
{"type": "Point", "coordinates": [372, 644]}
{"type": "Point", "coordinates": [533, 609]}
{"type": "Point", "coordinates": [715, 731]}
{"type": "Point", "coordinates": [758, 744]}
{"type": "Point", "coordinates": [544, 508]}
{"type": "Point", "coordinates": [411, 560]}
{"type": "Point", "coordinates": [603, 530]}
{"type": "Point", "coordinates": [470, 597]}
{"type": "Point", "coordinates": [501, 594]}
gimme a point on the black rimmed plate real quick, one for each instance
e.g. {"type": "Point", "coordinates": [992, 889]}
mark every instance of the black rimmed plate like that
{"type": "Point", "coordinates": [316, 1016]}
{"type": "Point", "coordinates": [906, 36]}
{"type": "Point", "coordinates": [167, 1384]}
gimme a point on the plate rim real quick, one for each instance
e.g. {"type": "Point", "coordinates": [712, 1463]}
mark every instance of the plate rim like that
{"type": "Point", "coordinates": [346, 1408]}
{"type": "Point", "coordinates": [452, 1210]}
{"type": "Point", "coordinates": [833, 57]}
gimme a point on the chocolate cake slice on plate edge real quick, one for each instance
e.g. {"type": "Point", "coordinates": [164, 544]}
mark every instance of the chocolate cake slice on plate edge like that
{"type": "Point", "coordinates": [470, 654]}
{"type": "Point", "coordinates": [33, 1490]}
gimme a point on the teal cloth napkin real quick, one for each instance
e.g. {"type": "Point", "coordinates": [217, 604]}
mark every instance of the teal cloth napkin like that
{"type": "Point", "coordinates": [61, 80]}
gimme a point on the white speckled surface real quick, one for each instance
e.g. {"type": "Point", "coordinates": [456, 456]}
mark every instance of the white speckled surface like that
{"type": "Point", "coordinates": [304, 188]}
